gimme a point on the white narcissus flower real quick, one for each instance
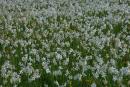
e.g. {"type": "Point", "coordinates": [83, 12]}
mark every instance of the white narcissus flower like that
{"type": "Point", "coordinates": [124, 71]}
{"type": "Point", "coordinates": [77, 77]}
{"type": "Point", "coordinates": [118, 43]}
{"type": "Point", "coordinates": [57, 73]}
{"type": "Point", "coordinates": [25, 58]}
{"type": "Point", "coordinates": [27, 69]}
{"type": "Point", "coordinates": [58, 56]}
{"type": "Point", "coordinates": [35, 75]}
{"type": "Point", "coordinates": [48, 70]}
{"type": "Point", "coordinates": [66, 62]}
{"type": "Point", "coordinates": [113, 70]}
{"type": "Point", "coordinates": [93, 85]}
{"type": "Point", "coordinates": [6, 69]}
{"type": "Point", "coordinates": [15, 78]}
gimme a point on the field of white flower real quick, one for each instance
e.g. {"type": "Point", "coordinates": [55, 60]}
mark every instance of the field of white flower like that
{"type": "Point", "coordinates": [64, 43]}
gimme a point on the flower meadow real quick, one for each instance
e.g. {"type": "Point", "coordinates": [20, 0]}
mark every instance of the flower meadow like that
{"type": "Point", "coordinates": [64, 43]}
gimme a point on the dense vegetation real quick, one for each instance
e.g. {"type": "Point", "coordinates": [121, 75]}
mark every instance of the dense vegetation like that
{"type": "Point", "coordinates": [64, 43]}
